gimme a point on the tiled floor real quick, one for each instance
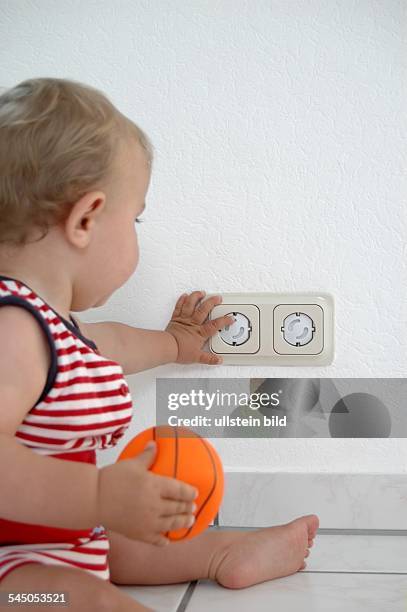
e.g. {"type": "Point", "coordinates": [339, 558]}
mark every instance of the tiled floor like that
{"type": "Point", "coordinates": [352, 573]}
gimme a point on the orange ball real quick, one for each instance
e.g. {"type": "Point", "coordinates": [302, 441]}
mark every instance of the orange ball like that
{"type": "Point", "coordinates": [186, 456]}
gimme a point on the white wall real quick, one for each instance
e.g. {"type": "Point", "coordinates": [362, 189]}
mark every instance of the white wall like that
{"type": "Point", "coordinates": [278, 127]}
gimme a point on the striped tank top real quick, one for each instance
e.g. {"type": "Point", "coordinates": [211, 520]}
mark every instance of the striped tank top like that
{"type": "Point", "coordinates": [84, 406]}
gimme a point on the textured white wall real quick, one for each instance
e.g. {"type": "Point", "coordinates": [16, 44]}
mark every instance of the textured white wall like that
{"type": "Point", "coordinates": [279, 131]}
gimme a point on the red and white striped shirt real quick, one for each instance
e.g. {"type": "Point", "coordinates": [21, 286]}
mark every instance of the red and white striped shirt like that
{"type": "Point", "coordinates": [85, 406]}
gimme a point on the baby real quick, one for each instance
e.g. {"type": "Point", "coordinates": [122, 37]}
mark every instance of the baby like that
{"type": "Point", "coordinates": [74, 173]}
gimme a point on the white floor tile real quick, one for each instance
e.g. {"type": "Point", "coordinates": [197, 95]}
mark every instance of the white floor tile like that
{"type": "Point", "coordinates": [324, 584]}
{"type": "Point", "coordinates": [358, 553]}
{"type": "Point", "coordinates": [309, 592]}
{"type": "Point", "coordinates": [165, 598]}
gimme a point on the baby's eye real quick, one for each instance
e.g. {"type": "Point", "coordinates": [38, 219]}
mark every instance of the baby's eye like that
{"type": "Point", "coordinates": [139, 220]}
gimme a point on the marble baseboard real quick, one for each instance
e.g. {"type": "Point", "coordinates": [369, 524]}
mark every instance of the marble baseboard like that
{"type": "Point", "coordinates": [341, 501]}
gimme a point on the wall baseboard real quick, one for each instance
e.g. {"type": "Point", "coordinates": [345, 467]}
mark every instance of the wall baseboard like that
{"type": "Point", "coordinates": [340, 500]}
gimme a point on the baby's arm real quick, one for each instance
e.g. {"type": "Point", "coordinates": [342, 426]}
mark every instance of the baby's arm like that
{"type": "Point", "coordinates": [135, 349]}
{"type": "Point", "coordinates": [181, 342]}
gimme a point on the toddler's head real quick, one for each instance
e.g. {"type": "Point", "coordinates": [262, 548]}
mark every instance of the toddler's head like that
{"type": "Point", "coordinates": [74, 173]}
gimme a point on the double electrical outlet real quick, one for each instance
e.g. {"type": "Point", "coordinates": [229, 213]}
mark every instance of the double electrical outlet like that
{"type": "Point", "coordinates": [277, 329]}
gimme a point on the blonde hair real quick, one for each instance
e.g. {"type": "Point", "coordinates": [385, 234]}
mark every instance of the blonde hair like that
{"type": "Point", "coordinates": [58, 140]}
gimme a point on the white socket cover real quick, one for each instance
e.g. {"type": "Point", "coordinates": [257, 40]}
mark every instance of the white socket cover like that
{"type": "Point", "coordinates": [276, 329]}
{"type": "Point", "coordinates": [298, 329]}
{"type": "Point", "coordinates": [238, 332]}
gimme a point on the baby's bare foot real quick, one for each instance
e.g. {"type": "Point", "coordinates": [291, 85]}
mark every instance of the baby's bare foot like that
{"type": "Point", "coordinates": [264, 554]}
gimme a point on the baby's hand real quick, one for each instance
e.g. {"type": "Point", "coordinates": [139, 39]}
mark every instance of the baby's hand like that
{"type": "Point", "coordinates": [142, 505]}
{"type": "Point", "coordinates": [191, 332]}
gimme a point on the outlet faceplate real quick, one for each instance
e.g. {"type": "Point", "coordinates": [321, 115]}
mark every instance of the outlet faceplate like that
{"type": "Point", "coordinates": [284, 329]}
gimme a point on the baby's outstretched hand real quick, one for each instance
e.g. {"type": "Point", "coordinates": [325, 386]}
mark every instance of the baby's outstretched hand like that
{"type": "Point", "coordinates": [190, 329]}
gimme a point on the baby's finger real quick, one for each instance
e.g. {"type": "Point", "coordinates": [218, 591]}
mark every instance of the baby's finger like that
{"type": "Point", "coordinates": [177, 522]}
{"type": "Point", "coordinates": [211, 327]}
{"type": "Point", "coordinates": [170, 507]}
{"type": "Point", "coordinates": [178, 305]}
{"type": "Point", "coordinates": [160, 540]}
{"type": "Point", "coordinates": [210, 359]}
{"type": "Point", "coordinates": [202, 311]}
{"type": "Point", "coordinates": [171, 488]}
{"type": "Point", "coordinates": [188, 306]}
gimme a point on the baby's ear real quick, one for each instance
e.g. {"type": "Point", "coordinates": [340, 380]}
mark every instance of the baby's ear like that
{"type": "Point", "coordinates": [83, 215]}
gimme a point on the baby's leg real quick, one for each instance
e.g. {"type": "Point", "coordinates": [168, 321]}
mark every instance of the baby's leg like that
{"type": "Point", "coordinates": [235, 559]}
{"type": "Point", "coordinates": [85, 592]}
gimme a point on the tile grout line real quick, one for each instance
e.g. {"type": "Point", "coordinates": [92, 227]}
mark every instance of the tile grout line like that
{"type": "Point", "coordinates": [350, 572]}
{"type": "Point", "coordinates": [182, 606]}
{"type": "Point", "coordinates": [330, 530]}
{"type": "Point", "coordinates": [378, 532]}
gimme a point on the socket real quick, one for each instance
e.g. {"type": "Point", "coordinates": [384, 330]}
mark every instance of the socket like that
{"type": "Point", "coordinates": [238, 332]}
{"type": "Point", "coordinates": [298, 329]}
{"type": "Point", "coordinates": [223, 343]}
{"type": "Point", "coordinates": [275, 329]}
